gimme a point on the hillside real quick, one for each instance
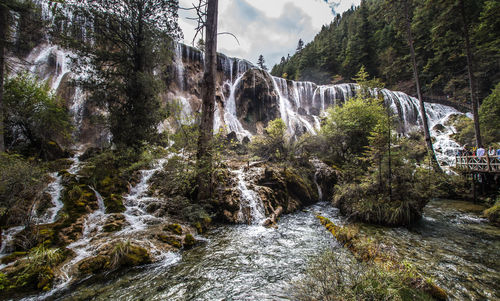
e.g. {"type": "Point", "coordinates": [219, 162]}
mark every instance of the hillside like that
{"type": "Point", "coordinates": [369, 35]}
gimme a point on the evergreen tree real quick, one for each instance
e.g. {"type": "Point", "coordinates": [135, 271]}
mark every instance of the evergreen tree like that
{"type": "Point", "coordinates": [7, 8]}
{"type": "Point", "coordinates": [130, 39]}
{"type": "Point", "coordinates": [300, 46]}
{"type": "Point", "coordinates": [261, 62]}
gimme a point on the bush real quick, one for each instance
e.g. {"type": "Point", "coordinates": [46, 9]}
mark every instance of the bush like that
{"type": "Point", "coordinates": [338, 276]}
{"type": "Point", "coordinates": [21, 182]}
{"type": "Point", "coordinates": [36, 121]}
{"type": "Point", "coordinates": [274, 145]}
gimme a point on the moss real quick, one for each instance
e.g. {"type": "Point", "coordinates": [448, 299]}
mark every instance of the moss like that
{"type": "Point", "coordinates": [174, 228]}
{"type": "Point", "coordinates": [136, 256]}
{"type": "Point", "coordinates": [12, 257]}
{"type": "Point", "coordinates": [93, 265]}
{"type": "Point", "coordinates": [112, 227]}
{"type": "Point", "coordinates": [189, 241]}
{"type": "Point", "coordinates": [114, 204]}
{"type": "Point", "coordinates": [493, 213]}
{"type": "Point", "coordinates": [198, 227]}
{"type": "Point", "coordinates": [366, 250]}
{"type": "Point", "coordinates": [171, 240]}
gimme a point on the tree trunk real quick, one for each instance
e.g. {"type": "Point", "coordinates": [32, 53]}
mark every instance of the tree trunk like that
{"type": "Point", "coordinates": [3, 38]}
{"type": "Point", "coordinates": [425, 123]}
{"type": "Point", "coordinates": [204, 154]}
{"type": "Point", "coordinates": [472, 80]}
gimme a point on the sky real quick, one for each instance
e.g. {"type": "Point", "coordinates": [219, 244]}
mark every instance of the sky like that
{"type": "Point", "coordinates": [268, 27]}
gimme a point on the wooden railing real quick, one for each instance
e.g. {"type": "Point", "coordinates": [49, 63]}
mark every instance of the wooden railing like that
{"type": "Point", "coordinates": [478, 164]}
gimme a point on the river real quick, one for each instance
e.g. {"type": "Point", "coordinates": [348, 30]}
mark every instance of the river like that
{"type": "Point", "coordinates": [452, 244]}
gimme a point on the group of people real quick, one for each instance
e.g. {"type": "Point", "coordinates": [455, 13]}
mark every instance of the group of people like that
{"type": "Point", "coordinates": [479, 152]}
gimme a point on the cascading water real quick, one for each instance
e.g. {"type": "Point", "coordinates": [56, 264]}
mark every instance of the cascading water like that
{"type": "Point", "coordinates": [251, 206]}
{"type": "Point", "coordinates": [137, 200]}
{"type": "Point", "coordinates": [54, 189]}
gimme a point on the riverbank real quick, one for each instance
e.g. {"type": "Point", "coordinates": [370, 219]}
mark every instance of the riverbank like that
{"type": "Point", "coordinates": [452, 244]}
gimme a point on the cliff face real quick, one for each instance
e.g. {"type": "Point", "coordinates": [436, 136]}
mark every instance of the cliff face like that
{"type": "Point", "coordinates": [247, 98]}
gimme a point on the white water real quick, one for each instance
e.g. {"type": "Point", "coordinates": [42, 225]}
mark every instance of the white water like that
{"type": "Point", "coordinates": [54, 189]}
{"type": "Point", "coordinates": [251, 206]}
{"type": "Point", "coordinates": [137, 200]}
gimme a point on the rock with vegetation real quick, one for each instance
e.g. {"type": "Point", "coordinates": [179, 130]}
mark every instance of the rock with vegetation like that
{"type": "Point", "coordinates": [411, 284]}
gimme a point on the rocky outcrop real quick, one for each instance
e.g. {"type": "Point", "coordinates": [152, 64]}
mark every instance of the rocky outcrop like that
{"type": "Point", "coordinates": [279, 190]}
{"type": "Point", "coordinates": [257, 102]}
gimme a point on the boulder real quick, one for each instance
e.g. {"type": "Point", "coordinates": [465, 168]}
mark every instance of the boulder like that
{"type": "Point", "coordinates": [256, 100]}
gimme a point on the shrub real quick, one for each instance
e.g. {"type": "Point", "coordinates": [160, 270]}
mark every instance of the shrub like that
{"type": "Point", "coordinates": [36, 121]}
{"type": "Point", "coordinates": [21, 182]}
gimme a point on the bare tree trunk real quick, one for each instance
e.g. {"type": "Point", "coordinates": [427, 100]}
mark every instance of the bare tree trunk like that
{"type": "Point", "coordinates": [472, 80]}
{"type": "Point", "coordinates": [204, 154]}
{"type": "Point", "coordinates": [425, 123]}
{"type": "Point", "coordinates": [3, 38]}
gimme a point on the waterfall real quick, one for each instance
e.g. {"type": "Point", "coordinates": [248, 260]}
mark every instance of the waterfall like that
{"type": "Point", "coordinates": [136, 201]}
{"type": "Point", "coordinates": [54, 189]}
{"type": "Point", "coordinates": [251, 206]}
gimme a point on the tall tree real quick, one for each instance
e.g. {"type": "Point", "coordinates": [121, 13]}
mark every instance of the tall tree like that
{"type": "Point", "coordinates": [261, 62]}
{"type": "Point", "coordinates": [300, 46]}
{"type": "Point", "coordinates": [204, 154]}
{"type": "Point", "coordinates": [470, 73]}
{"type": "Point", "coordinates": [129, 40]}
{"type": "Point", "coordinates": [7, 7]}
{"type": "Point", "coordinates": [404, 22]}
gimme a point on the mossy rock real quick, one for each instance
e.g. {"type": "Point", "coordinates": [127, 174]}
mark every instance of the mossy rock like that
{"type": "Point", "coordinates": [298, 187]}
{"type": "Point", "coordinates": [12, 257]}
{"type": "Point", "coordinates": [171, 240]}
{"type": "Point", "coordinates": [493, 214]}
{"type": "Point", "coordinates": [60, 164]}
{"type": "Point", "coordinates": [114, 222]}
{"type": "Point", "coordinates": [189, 241]}
{"type": "Point", "coordinates": [93, 265]}
{"type": "Point", "coordinates": [135, 256]}
{"type": "Point", "coordinates": [114, 204]}
{"type": "Point", "coordinates": [174, 228]}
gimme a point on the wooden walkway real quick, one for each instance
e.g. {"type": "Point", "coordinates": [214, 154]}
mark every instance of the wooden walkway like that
{"type": "Point", "coordinates": [474, 164]}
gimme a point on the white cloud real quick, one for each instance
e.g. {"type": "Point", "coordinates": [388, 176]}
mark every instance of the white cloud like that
{"type": "Point", "coordinates": [268, 27]}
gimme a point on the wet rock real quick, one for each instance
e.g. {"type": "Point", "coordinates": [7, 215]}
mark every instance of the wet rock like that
{"type": "Point", "coordinates": [172, 240]}
{"type": "Point", "coordinates": [174, 228]}
{"type": "Point", "coordinates": [93, 265]}
{"type": "Point", "coordinates": [114, 222]}
{"type": "Point", "coordinates": [189, 241]}
{"type": "Point", "coordinates": [256, 100]}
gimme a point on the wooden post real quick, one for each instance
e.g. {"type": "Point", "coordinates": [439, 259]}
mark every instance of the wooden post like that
{"type": "Point", "coordinates": [474, 196]}
{"type": "Point", "coordinates": [488, 162]}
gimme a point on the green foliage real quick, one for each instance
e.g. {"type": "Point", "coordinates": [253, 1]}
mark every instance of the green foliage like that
{"type": "Point", "coordinates": [337, 276]}
{"type": "Point", "coordinates": [127, 254]}
{"type": "Point", "coordinates": [129, 41]}
{"type": "Point", "coordinates": [489, 117]}
{"type": "Point", "coordinates": [274, 145]}
{"type": "Point", "coordinates": [493, 213]}
{"type": "Point", "coordinates": [374, 35]}
{"type": "Point", "coordinates": [347, 128]}
{"type": "Point", "coordinates": [21, 182]}
{"type": "Point", "coordinates": [36, 121]}
{"type": "Point", "coordinates": [34, 273]}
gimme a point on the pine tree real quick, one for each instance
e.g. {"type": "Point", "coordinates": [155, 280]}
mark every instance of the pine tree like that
{"type": "Point", "coordinates": [300, 46]}
{"type": "Point", "coordinates": [401, 11]}
{"type": "Point", "coordinates": [261, 62]}
{"type": "Point", "coordinates": [133, 37]}
{"type": "Point", "coordinates": [7, 7]}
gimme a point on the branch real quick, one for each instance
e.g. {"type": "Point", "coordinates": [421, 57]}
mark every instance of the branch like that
{"type": "Point", "coordinates": [228, 33]}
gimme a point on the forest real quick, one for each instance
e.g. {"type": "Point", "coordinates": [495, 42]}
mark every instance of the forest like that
{"type": "Point", "coordinates": [373, 35]}
{"type": "Point", "coordinates": [365, 166]}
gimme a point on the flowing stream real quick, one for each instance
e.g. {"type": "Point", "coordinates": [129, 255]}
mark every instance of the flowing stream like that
{"type": "Point", "coordinates": [452, 244]}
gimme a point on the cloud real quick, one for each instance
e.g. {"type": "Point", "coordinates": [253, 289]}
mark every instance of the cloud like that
{"type": "Point", "coordinates": [268, 27]}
